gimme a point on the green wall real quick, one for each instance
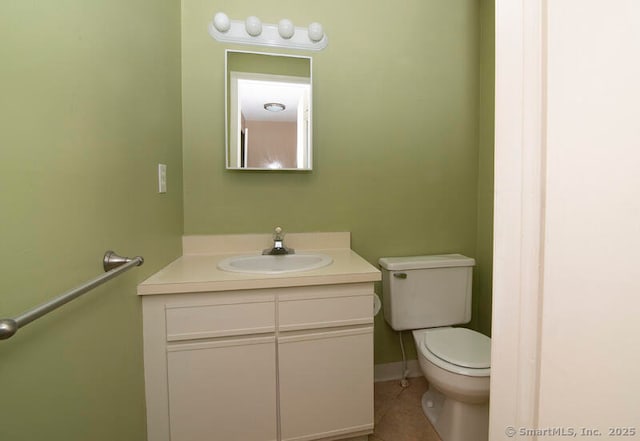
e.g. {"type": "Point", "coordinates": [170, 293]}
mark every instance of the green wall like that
{"type": "Point", "coordinates": [396, 130]}
{"type": "Point", "coordinates": [484, 241]}
{"type": "Point", "coordinates": [90, 104]}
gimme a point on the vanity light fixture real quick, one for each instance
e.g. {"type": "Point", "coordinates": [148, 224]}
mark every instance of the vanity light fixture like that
{"type": "Point", "coordinates": [253, 31]}
{"type": "Point", "coordinates": [274, 107]}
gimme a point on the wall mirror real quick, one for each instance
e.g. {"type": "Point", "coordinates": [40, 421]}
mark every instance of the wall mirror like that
{"type": "Point", "coordinates": [268, 111]}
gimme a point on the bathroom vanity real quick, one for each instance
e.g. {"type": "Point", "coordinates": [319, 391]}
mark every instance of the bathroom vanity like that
{"type": "Point", "coordinates": [259, 357]}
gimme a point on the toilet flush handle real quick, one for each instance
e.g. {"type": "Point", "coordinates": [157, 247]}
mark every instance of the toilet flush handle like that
{"type": "Point", "coordinates": [400, 275]}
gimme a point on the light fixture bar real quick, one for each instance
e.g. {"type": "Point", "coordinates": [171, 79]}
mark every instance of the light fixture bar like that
{"type": "Point", "coordinates": [254, 32]}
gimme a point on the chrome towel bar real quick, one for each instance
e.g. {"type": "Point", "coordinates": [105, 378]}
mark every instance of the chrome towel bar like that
{"type": "Point", "coordinates": [113, 264]}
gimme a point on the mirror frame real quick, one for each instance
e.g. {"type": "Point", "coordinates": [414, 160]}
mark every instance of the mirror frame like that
{"type": "Point", "coordinates": [228, 104]}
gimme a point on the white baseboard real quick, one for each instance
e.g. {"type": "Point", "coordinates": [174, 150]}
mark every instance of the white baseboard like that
{"type": "Point", "coordinates": [393, 371]}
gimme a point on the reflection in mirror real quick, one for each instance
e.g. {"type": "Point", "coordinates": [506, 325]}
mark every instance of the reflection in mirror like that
{"type": "Point", "coordinates": [268, 111]}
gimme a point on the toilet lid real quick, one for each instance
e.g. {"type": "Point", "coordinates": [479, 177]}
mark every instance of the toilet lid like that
{"type": "Point", "coordinates": [460, 346]}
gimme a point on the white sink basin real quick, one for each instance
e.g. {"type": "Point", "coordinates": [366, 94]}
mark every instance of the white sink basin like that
{"type": "Point", "coordinates": [288, 263]}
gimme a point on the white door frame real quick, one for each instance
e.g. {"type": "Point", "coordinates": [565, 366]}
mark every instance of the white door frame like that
{"type": "Point", "coordinates": [519, 209]}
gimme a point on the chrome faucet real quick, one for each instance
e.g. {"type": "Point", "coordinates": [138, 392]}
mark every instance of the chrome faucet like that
{"type": "Point", "coordinates": [278, 244]}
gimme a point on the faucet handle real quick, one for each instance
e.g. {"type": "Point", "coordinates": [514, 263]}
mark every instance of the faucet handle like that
{"type": "Point", "coordinates": [278, 244]}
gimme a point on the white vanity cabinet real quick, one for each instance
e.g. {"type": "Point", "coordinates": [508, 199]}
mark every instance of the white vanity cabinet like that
{"type": "Point", "coordinates": [325, 361]}
{"type": "Point", "coordinates": [210, 366]}
{"type": "Point", "coordinates": [326, 384]}
{"type": "Point", "coordinates": [276, 364]}
{"type": "Point", "coordinates": [233, 399]}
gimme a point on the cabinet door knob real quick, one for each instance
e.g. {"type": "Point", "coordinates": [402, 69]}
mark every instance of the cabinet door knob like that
{"type": "Point", "coordinates": [400, 275]}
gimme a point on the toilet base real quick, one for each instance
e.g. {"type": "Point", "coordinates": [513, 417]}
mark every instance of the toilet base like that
{"type": "Point", "coordinates": [455, 420]}
{"type": "Point", "coordinates": [432, 402]}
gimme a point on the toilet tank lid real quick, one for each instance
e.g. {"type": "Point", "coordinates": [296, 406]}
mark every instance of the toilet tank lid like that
{"type": "Point", "coordinates": [424, 262]}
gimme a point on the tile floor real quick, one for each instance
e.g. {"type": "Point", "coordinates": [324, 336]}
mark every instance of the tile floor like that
{"type": "Point", "coordinates": [398, 413]}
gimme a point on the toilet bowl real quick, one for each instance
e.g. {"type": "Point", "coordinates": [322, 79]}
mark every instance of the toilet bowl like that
{"type": "Point", "coordinates": [455, 362]}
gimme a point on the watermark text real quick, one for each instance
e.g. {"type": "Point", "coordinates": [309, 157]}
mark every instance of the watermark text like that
{"type": "Point", "coordinates": [571, 432]}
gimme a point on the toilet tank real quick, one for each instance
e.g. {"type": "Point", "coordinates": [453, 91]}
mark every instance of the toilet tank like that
{"type": "Point", "coordinates": [426, 291]}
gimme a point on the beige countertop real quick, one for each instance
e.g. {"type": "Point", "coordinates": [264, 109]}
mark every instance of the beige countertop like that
{"type": "Point", "coordinates": [197, 271]}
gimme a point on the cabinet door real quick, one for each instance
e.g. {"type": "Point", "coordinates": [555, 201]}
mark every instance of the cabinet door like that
{"type": "Point", "coordinates": [223, 390]}
{"type": "Point", "coordinates": [326, 383]}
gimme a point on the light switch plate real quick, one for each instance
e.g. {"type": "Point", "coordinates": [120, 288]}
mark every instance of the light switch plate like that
{"type": "Point", "coordinates": [162, 178]}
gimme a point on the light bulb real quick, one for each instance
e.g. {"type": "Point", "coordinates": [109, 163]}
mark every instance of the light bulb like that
{"type": "Point", "coordinates": [221, 22]}
{"type": "Point", "coordinates": [253, 26]}
{"type": "Point", "coordinates": [315, 32]}
{"type": "Point", "coordinates": [286, 28]}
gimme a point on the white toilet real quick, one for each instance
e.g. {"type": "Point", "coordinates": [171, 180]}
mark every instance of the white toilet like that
{"type": "Point", "coordinates": [428, 294]}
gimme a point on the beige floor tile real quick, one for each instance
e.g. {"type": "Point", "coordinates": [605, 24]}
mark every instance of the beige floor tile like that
{"type": "Point", "coordinates": [383, 397]}
{"type": "Point", "coordinates": [399, 415]}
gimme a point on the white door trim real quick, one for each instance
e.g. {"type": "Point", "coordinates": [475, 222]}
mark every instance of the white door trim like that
{"type": "Point", "coordinates": [519, 209]}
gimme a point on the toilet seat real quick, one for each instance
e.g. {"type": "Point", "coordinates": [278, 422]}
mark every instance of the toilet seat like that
{"type": "Point", "coordinates": [458, 350]}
